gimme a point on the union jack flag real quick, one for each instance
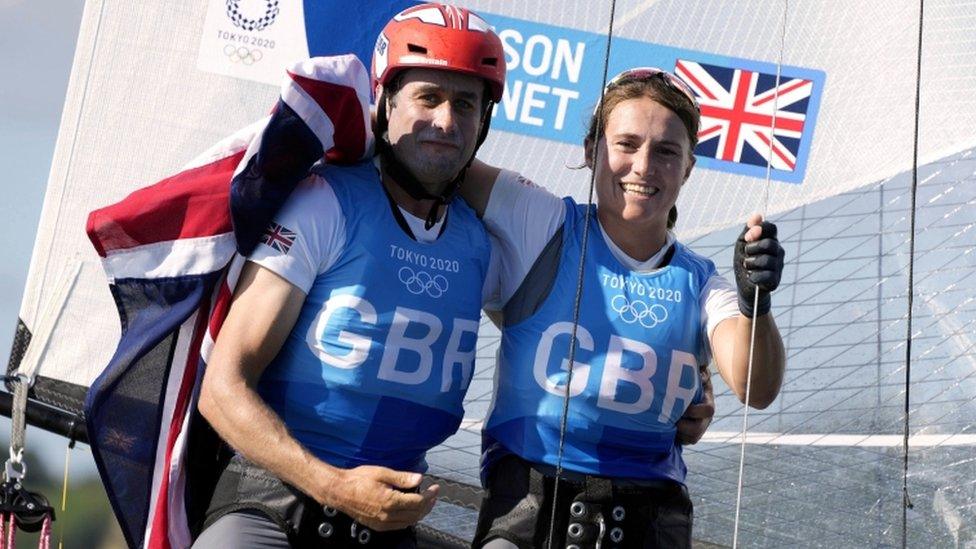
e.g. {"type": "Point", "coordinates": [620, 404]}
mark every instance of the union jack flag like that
{"type": "Point", "coordinates": [278, 237]}
{"type": "Point", "coordinates": [170, 250]}
{"type": "Point", "coordinates": [737, 112]}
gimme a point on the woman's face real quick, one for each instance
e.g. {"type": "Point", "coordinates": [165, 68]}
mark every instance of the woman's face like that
{"type": "Point", "coordinates": [643, 159]}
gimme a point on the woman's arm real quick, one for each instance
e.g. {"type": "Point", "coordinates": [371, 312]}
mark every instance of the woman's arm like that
{"type": "Point", "coordinates": [758, 266]}
{"type": "Point", "coordinates": [730, 345]}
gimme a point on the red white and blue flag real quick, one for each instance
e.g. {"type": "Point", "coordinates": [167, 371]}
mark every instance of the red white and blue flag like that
{"type": "Point", "coordinates": [172, 252]}
{"type": "Point", "coordinates": [746, 117]}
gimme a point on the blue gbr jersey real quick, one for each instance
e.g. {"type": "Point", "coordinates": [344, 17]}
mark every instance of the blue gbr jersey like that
{"type": "Point", "coordinates": [376, 368]}
{"type": "Point", "coordinates": [640, 341]}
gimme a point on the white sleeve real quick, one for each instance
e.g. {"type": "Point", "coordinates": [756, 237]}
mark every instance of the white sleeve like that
{"type": "Point", "coordinates": [312, 221]}
{"type": "Point", "coordinates": [523, 217]}
{"type": "Point", "coordinates": [719, 301]}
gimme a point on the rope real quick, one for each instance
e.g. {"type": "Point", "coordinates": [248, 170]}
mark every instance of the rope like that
{"type": "Point", "coordinates": [18, 425]}
{"type": "Point", "coordinates": [44, 540]}
{"type": "Point", "coordinates": [579, 289]}
{"type": "Point", "coordinates": [64, 493]}
{"type": "Point", "coordinates": [10, 539]}
{"type": "Point", "coordinates": [755, 303]}
{"type": "Point", "coordinates": [906, 501]}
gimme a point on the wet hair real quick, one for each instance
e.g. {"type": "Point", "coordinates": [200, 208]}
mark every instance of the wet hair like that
{"type": "Point", "coordinates": [658, 89]}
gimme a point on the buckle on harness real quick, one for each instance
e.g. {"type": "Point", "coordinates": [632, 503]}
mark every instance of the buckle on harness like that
{"type": "Point", "coordinates": [588, 527]}
{"type": "Point", "coordinates": [360, 533]}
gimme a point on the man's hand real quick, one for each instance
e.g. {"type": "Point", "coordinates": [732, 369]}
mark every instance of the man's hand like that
{"type": "Point", "coordinates": [383, 499]}
{"type": "Point", "coordinates": [697, 418]}
{"type": "Point", "coordinates": [757, 262]}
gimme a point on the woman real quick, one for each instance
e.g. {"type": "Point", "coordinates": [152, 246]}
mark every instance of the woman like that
{"type": "Point", "coordinates": [651, 312]}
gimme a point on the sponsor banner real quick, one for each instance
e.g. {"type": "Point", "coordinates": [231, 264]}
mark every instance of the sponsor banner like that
{"type": "Point", "coordinates": [554, 77]}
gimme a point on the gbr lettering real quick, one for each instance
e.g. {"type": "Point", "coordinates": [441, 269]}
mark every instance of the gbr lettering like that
{"type": "Point", "coordinates": [458, 363]}
{"type": "Point", "coordinates": [676, 396]}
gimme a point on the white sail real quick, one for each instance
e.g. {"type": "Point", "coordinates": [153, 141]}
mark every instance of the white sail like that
{"type": "Point", "coordinates": [146, 96]}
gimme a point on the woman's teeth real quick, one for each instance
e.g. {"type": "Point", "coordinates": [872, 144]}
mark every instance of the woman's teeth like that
{"type": "Point", "coordinates": [642, 190]}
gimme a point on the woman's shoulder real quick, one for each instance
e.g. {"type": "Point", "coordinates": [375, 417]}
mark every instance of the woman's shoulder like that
{"type": "Point", "coordinates": [693, 260]}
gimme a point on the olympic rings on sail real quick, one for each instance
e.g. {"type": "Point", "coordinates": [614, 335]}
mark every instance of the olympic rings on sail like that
{"type": "Point", "coordinates": [240, 54]}
{"type": "Point", "coordinates": [420, 282]}
{"type": "Point", "coordinates": [630, 312]}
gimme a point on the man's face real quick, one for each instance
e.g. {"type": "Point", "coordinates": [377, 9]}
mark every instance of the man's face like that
{"type": "Point", "coordinates": [434, 122]}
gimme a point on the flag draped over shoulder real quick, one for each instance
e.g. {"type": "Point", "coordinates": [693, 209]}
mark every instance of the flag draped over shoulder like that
{"type": "Point", "coordinates": [172, 252]}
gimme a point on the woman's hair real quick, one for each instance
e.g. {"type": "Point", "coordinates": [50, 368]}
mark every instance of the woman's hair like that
{"type": "Point", "coordinates": [658, 89]}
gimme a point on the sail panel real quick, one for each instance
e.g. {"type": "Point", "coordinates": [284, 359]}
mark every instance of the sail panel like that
{"type": "Point", "coordinates": [824, 461]}
{"type": "Point", "coordinates": [137, 110]}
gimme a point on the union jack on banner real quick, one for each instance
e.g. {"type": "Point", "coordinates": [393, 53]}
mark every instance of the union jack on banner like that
{"type": "Point", "coordinates": [737, 113]}
{"type": "Point", "coordinates": [278, 237]}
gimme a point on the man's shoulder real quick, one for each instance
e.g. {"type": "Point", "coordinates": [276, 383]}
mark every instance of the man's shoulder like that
{"type": "Point", "coordinates": [337, 173]}
{"type": "Point", "coordinates": [329, 180]}
{"type": "Point", "coordinates": [516, 194]}
{"type": "Point", "coordinates": [519, 183]}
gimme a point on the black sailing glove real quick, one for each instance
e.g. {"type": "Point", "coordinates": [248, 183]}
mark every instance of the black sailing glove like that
{"type": "Point", "coordinates": [758, 263]}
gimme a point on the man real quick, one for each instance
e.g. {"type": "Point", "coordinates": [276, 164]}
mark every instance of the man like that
{"type": "Point", "coordinates": [348, 348]}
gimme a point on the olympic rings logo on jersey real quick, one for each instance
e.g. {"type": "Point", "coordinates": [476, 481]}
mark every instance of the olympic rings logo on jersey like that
{"type": "Point", "coordinates": [630, 312]}
{"type": "Point", "coordinates": [420, 282]}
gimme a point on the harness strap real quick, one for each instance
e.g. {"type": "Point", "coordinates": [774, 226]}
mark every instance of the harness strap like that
{"type": "Point", "coordinates": [244, 486]}
{"type": "Point", "coordinates": [521, 503]}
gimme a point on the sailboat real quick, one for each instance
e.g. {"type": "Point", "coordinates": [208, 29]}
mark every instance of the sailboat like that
{"type": "Point", "coordinates": [814, 114]}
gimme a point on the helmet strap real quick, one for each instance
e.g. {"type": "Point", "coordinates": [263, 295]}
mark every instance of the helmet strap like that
{"type": "Point", "coordinates": [404, 177]}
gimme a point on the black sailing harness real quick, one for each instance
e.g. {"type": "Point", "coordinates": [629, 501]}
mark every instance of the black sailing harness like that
{"type": "Point", "coordinates": [590, 511]}
{"type": "Point", "coordinates": [243, 486]}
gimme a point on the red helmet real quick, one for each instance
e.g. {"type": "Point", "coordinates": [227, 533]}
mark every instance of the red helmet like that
{"type": "Point", "coordinates": [436, 36]}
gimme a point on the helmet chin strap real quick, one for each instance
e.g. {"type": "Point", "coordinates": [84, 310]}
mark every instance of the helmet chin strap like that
{"type": "Point", "coordinates": [405, 178]}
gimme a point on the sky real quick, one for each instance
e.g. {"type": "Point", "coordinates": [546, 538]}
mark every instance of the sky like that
{"type": "Point", "coordinates": [37, 38]}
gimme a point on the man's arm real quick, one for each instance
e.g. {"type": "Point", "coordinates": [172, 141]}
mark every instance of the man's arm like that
{"type": "Point", "coordinates": [697, 418]}
{"type": "Point", "coordinates": [478, 182]}
{"type": "Point", "coordinates": [262, 314]}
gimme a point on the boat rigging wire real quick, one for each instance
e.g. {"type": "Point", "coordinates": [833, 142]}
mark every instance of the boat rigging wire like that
{"type": "Point", "coordinates": [755, 303]}
{"type": "Point", "coordinates": [579, 283]}
{"type": "Point", "coordinates": [906, 502]}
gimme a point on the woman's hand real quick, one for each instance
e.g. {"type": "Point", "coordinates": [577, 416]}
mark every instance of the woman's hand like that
{"type": "Point", "coordinates": [757, 262]}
